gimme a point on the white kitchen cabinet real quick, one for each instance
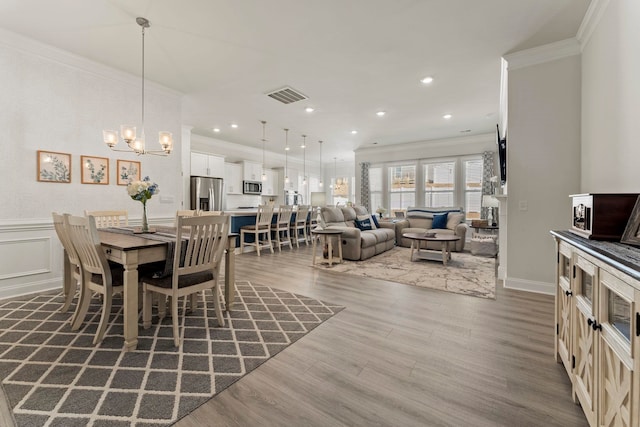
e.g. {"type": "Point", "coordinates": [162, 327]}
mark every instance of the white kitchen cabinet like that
{"type": "Point", "coordinates": [203, 164]}
{"type": "Point", "coordinates": [269, 186]}
{"type": "Point", "coordinates": [292, 185]}
{"type": "Point", "coordinates": [233, 178]}
{"type": "Point", "coordinates": [251, 171]}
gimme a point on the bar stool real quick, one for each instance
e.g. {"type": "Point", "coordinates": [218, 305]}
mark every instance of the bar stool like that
{"type": "Point", "coordinates": [281, 228]}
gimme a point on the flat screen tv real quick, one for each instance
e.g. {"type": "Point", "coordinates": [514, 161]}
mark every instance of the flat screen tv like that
{"type": "Point", "coordinates": [502, 155]}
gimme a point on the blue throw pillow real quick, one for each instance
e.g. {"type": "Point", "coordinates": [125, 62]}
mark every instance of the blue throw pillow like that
{"type": "Point", "coordinates": [364, 224]}
{"type": "Point", "coordinates": [440, 221]}
{"type": "Point", "coordinates": [375, 220]}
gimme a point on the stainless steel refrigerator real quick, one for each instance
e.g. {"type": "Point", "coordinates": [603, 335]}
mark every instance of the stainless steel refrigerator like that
{"type": "Point", "coordinates": [207, 193]}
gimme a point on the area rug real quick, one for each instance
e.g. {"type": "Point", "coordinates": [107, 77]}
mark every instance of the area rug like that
{"type": "Point", "coordinates": [464, 274]}
{"type": "Point", "coordinates": [55, 377]}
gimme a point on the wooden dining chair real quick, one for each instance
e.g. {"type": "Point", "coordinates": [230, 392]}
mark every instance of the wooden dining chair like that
{"type": "Point", "coordinates": [281, 228]}
{"type": "Point", "coordinates": [205, 213]}
{"type": "Point", "coordinates": [98, 276]}
{"type": "Point", "coordinates": [299, 228]}
{"type": "Point", "coordinates": [74, 262]}
{"type": "Point", "coordinates": [109, 218]}
{"type": "Point", "coordinates": [196, 267]}
{"type": "Point", "coordinates": [261, 228]}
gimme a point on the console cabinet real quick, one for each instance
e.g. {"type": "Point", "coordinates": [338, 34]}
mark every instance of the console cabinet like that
{"type": "Point", "coordinates": [598, 327]}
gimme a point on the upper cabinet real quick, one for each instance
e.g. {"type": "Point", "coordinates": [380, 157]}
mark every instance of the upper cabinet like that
{"type": "Point", "coordinates": [207, 165]}
{"type": "Point", "coordinates": [269, 185]}
{"type": "Point", "coordinates": [233, 178]}
{"type": "Point", "coordinates": [251, 171]}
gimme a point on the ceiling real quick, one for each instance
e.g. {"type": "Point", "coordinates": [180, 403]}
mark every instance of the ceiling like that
{"type": "Point", "coordinates": [351, 58]}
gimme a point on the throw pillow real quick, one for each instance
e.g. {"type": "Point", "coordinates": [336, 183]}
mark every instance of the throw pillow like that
{"type": "Point", "coordinates": [370, 218]}
{"type": "Point", "coordinates": [375, 221]}
{"type": "Point", "coordinates": [364, 224]}
{"type": "Point", "coordinates": [439, 221]}
{"type": "Point", "coordinates": [454, 219]}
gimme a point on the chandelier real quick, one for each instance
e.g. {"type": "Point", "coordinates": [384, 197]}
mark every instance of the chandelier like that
{"type": "Point", "coordinates": [128, 133]}
{"type": "Point", "coordinates": [264, 140]}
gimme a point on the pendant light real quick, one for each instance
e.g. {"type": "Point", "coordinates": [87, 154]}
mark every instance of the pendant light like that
{"type": "Point", "coordinates": [286, 156]}
{"type": "Point", "coordinates": [304, 159]}
{"type": "Point", "coordinates": [264, 171]}
{"type": "Point", "coordinates": [320, 183]}
{"type": "Point", "coordinates": [128, 132]}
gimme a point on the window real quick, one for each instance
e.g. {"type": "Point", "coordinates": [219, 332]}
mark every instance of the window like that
{"type": "Point", "coordinates": [402, 188]}
{"type": "Point", "coordinates": [375, 188]}
{"type": "Point", "coordinates": [439, 184]}
{"type": "Point", "coordinates": [473, 188]}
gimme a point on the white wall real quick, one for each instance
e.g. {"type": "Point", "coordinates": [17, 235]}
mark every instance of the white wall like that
{"type": "Point", "coordinates": [543, 167]}
{"type": "Point", "coordinates": [55, 101]}
{"type": "Point", "coordinates": [611, 105]}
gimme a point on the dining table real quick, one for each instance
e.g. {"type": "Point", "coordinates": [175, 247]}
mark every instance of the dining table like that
{"type": "Point", "coordinates": [132, 250]}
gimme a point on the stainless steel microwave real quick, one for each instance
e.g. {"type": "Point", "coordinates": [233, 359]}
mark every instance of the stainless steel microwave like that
{"type": "Point", "coordinates": [252, 187]}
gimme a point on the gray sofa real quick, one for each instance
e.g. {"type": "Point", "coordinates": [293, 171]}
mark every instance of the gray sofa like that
{"type": "Point", "coordinates": [419, 220]}
{"type": "Point", "coordinates": [358, 244]}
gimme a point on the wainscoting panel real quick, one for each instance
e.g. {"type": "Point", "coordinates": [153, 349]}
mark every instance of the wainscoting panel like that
{"type": "Point", "coordinates": [31, 257]}
{"type": "Point", "coordinates": [28, 257]}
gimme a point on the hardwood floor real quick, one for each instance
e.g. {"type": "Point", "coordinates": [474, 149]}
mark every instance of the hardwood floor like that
{"type": "Point", "coordinates": [400, 356]}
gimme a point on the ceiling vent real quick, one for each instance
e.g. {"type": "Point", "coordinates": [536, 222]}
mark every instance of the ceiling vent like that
{"type": "Point", "coordinates": [286, 95]}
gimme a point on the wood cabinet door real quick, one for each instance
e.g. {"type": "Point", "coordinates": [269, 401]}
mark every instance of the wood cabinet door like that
{"type": "Point", "coordinates": [585, 351]}
{"type": "Point", "coordinates": [616, 362]}
{"type": "Point", "coordinates": [564, 301]}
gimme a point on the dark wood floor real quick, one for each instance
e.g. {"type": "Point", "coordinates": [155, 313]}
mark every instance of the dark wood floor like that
{"type": "Point", "coordinates": [400, 356]}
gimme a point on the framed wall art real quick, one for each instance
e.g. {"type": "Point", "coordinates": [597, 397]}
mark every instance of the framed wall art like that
{"type": "Point", "coordinates": [631, 235]}
{"type": "Point", "coordinates": [95, 170]}
{"type": "Point", "coordinates": [128, 170]}
{"type": "Point", "coordinates": [54, 167]}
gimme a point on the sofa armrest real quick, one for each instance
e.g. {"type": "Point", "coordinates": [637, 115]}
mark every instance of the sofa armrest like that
{"type": "Point", "coordinates": [387, 224]}
{"type": "Point", "coordinates": [461, 230]}
{"type": "Point", "coordinates": [348, 232]}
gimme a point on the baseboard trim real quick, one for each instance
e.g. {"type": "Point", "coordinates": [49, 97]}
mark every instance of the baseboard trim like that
{"type": "Point", "coordinates": [529, 286]}
{"type": "Point", "coordinates": [21, 289]}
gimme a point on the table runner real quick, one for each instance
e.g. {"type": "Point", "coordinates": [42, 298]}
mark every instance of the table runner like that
{"type": "Point", "coordinates": [162, 234]}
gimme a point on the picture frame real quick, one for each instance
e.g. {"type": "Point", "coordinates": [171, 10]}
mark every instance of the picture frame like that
{"type": "Point", "coordinates": [94, 170]}
{"type": "Point", "coordinates": [128, 170]}
{"type": "Point", "coordinates": [631, 235]}
{"type": "Point", "coordinates": [53, 167]}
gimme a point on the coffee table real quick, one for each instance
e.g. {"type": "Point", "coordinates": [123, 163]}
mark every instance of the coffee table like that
{"type": "Point", "coordinates": [445, 240]}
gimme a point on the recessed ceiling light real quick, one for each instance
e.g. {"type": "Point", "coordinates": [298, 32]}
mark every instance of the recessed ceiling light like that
{"type": "Point", "coordinates": [353, 132]}
{"type": "Point", "coordinates": [447, 116]}
{"type": "Point", "coordinates": [427, 80]}
{"type": "Point", "coordinates": [309, 109]}
{"type": "Point", "coordinates": [233, 125]}
{"type": "Point", "coordinates": [216, 130]}
{"type": "Point", "coordinates": [381, 113]}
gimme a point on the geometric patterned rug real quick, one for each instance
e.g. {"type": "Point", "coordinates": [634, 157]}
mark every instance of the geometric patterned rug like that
{"type": "Point", "coordinates": [55, 377]}
{"type": "Point", "coordinates": [464, 274]}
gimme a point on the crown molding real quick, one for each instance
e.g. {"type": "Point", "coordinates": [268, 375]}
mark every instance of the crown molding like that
{"type": "Point", "coordinates": [29, 46]}
{"type": "Point", "coordinates": [434, 143]}
{"type": "Point", "coordinates": [591, 20]}
{"type": "Point", "coordinates": [541, 54]}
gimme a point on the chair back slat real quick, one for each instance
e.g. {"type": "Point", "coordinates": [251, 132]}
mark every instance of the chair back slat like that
{"type": "Point", "coordinates": [63, 235]}
{"type": "Point", "coordinates": [109, 218]}
{"type": "Point", "coordinates": [302, 214]}
{"type": "Point", "coordinates": [201, 246]}
{"type": "Point", "coordinates": [284, 214]}
{"type": "Point", "coordinates": [264, 216]}
{"type": "Point", "coordinates": [84, 237]}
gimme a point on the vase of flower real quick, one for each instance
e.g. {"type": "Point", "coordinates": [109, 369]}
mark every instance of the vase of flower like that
{"type": "Point", "coordinates": [145, 224]}
{"type": "Point", "coordinates": [143, 191]}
